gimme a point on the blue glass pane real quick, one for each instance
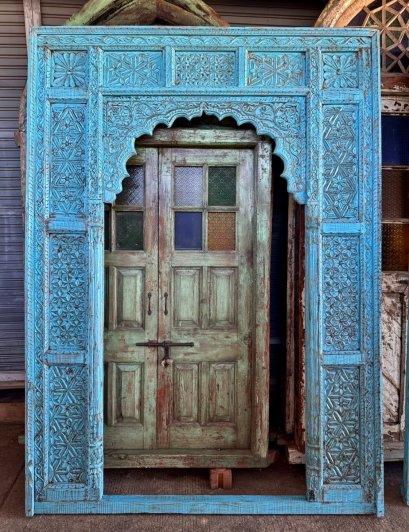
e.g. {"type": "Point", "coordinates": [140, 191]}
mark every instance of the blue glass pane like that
{"type": "Point", "coordinates": [395, 140]}
{"type": "Point", "coordinates": [188, 230]}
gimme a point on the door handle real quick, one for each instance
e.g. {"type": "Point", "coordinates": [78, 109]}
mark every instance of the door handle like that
{"type": "Point", "coordinates": [166, 303]}
{"type": "Point", "coordinates": [149, 303]}
{"type": "Point", "coordinates": [166, 344]}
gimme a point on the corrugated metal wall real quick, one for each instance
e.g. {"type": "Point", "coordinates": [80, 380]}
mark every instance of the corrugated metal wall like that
{"type": "Point", "coordinates": [13, 65]}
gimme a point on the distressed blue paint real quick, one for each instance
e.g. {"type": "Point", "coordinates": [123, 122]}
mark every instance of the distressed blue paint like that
{"type": "Point", "coordinates": [205, 504]}
{"type": "Point", "coordinates": [92, 92]}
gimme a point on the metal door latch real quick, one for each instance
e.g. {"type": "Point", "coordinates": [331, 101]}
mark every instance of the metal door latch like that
{"type": "Point", "coordinates": [166, 344]}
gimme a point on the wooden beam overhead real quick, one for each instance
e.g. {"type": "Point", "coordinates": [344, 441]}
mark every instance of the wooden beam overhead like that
{"type": "Point", "coordinates": [32, 15]}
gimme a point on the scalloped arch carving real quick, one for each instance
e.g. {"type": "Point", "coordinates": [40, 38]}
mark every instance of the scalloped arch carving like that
{"type": "Point", "coordinates": [127, 119]}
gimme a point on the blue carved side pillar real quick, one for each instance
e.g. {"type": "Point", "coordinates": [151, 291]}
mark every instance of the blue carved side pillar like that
{"type": "Point", "coordinates": [342, 278]}
{"type": "Point", "coordinates": [62, 232]}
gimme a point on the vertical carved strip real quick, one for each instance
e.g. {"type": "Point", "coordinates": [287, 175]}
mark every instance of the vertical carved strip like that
{"type": "Point", "coordinates": [313, 457]}
{"type": "Point", "coordinates": [95, 211]}
{"type": "Point", "coordinates": [372, 426]}
{"type": "Point", "coordinates": [31, 454]}
{"type": "Point", "coordinates": [35, 264]}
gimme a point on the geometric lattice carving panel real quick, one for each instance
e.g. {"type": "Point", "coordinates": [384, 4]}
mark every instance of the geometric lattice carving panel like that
{"type": "Point", "coordinates": [340, 162]}
{"type": "Point", "coordinates": [133, 69]}
{"type": "Point", "coordinates": [68, 292]}
{"type": "Point", "coordinates": [206, 69]}
{"type": "Point", "coordinates": [279, 69]}
{"type": "Point", "coordinates": [67, 180]}
{"type": "Point", "coordinates": [68, 414]}
{"type": "Point", "coordinates": [342, 425]}
{"type": "Point", "coordinates": [341, 293]}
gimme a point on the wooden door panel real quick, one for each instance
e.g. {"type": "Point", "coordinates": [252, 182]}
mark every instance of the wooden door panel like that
{"type": "Point", "coordinates": [206, 394]}
{"type": "Point", "coordinates": [130, 370]}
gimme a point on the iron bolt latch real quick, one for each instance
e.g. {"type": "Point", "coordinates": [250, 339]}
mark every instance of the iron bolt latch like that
{"type": "Point", "coordinates": [166, 344]}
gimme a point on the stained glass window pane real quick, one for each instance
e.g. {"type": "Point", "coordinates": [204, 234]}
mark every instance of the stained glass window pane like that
{"type": "Point", "coordinates": [395, 140]}
{"type": "Point", "coordinates": [133, 187]}
{"type": "Point", "coordinates": [395, 247]}
{"type": "Point", "coordinates": [222, 186]}
{"type": "Point", "coordinates": [221, 231]}
{"type": "Point", "coordinates": [395, 193]}
{"type": "Point", "coordinates": [129, 230]}
{"type": "Point", "coordinates": [188, 186]}
{"type": "Point", "coordinates": [188, 230]}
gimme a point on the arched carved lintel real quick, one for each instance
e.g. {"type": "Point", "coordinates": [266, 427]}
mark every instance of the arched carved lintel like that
{"type": "Point", "coordinates": [128, 119]}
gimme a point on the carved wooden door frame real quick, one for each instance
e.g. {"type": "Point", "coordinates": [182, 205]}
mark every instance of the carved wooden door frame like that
{"type": "Point", "coordinates": [92, 92]}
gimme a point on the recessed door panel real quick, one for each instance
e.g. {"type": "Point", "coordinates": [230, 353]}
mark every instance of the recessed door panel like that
{"type": "Point", "coordinates": [130, 297]}
{"type": "Point", "coordinates": [223, 298]}
{"type": "Point", "coordinates": [186, 297]}
{"type": "Point", "coordinates": [186, 393]}
{"type": "Point", "coordinates": [222, 396]}
{"type": "Point", "coordinates": [125, 385]}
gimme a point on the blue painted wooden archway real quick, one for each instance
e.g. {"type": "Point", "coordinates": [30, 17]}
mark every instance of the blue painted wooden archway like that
{"type": "Point", "coordinates": [92, 92]}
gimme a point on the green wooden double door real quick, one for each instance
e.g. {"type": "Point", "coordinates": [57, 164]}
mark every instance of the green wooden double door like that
{"type": "Point", "coordinates": [181, 268]}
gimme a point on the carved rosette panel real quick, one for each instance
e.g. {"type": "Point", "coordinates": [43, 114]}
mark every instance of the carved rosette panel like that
{"type": "Point", "coordinates": [340, 70]}
{"type": "Point", "coordinates": [341, 293]}
{"type": "Point", "coordinates": [69, 69]}
{"type": "Point", "coordinates": [92, 94]}
{"type": "Point", "coordinates": [67, 177]}
{"type": "Point", "coordinates": [342, 425]}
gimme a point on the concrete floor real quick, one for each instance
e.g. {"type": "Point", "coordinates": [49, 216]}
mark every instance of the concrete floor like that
{"type": "Point", "coordinates": [12, 517]}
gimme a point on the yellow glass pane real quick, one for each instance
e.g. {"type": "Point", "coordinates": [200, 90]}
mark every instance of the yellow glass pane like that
{"type": "Point", "coordinates": [395, 247]}
{"type": "Point", "coordinates": [221, 231]}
